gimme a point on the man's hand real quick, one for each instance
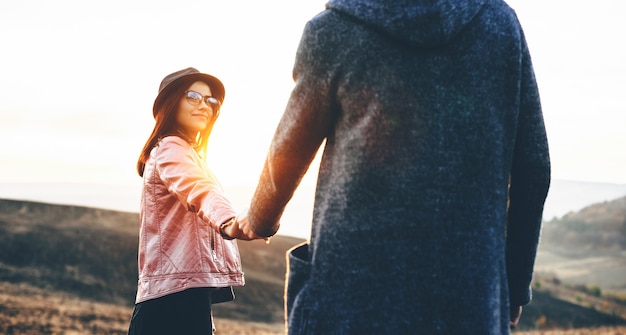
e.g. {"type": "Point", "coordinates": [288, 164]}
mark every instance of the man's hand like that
{"type": "Point", "coordinates": [241, 230]}
{"type": "Point", "coordinates": [515, 314]}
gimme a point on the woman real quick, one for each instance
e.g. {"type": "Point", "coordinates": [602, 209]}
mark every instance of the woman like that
{"type": "Point", "coordinates": [185, 264]}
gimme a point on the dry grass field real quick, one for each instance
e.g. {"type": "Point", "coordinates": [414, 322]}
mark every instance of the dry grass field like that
{"type": "Point", "coordinates": [581, 331]}
{"type": "Point", "coordinates": [25, 310]}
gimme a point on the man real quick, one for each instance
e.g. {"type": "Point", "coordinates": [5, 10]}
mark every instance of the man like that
{"type": "Point", "coordinates": [434, 174]}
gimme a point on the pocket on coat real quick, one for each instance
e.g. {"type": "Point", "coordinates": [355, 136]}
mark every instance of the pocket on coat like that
{"type": "Point", "coordinates": [298, 272]}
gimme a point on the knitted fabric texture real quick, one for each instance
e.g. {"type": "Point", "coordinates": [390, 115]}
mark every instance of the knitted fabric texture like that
{"type": "Point", "coordinates": [434, 172]}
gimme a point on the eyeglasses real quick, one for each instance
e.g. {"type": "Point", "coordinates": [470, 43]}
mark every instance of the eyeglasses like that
{"type": "Point", "coordinates": [195, 98]}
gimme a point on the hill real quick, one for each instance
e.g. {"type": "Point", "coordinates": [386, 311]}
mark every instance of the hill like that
{"type": "Point", "coordinates": [564, 196]}
{"type": "Point", "coordinates": [91, 253]}
{"type": "Point", "coordinates": [597, 229]}
{"type": "Point", "coordinates": [587, 247]}
{"type": "Point", "coordinates": [54, 258]}
{"type": "Point", "coordinates": [71, 249]}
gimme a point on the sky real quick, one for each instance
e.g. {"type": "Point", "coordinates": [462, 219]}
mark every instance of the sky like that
{"type": "Point", "coordinates": [78, 79]}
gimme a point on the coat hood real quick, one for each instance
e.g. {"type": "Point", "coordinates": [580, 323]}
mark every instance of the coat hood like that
{"type": "Point", "coordinates": [421, 23]}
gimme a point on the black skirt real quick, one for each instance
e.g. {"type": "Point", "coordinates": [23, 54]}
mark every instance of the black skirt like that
{"type": "Point", "coordinates": [187, 312]}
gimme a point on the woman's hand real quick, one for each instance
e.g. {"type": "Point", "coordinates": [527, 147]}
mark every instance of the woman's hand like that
{"type": "Point", "coordinates": [241, 230]}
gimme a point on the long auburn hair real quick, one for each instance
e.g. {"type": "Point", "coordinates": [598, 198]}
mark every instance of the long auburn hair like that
{"type": "Point", "coordinates": [167, 125]}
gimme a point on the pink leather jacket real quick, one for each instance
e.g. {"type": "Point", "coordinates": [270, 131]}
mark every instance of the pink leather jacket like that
{"type": "Point", "coordinates": [182, 207]}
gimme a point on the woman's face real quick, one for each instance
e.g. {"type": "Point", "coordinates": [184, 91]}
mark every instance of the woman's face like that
{"type": "Point", "coordinates": [194, 114]}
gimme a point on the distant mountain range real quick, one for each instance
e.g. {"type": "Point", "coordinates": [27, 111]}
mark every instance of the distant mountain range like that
{"type": "Point", "coordinates": [595, 230]}
{"type": "Point", "coordinates": [565, 196]}
{"type": "Point", "coordinates": [569, 196]}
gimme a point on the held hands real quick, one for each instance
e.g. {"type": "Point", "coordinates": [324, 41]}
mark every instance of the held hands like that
{"type": "Point", "coordinates": [239, 228]}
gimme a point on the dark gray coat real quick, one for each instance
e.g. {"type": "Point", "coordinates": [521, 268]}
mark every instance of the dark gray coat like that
{"type": "Point", "coordinates": [428, 109]}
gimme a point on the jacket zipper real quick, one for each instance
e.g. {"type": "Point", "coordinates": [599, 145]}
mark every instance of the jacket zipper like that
{"type": "Point", "coordinates": [213, 252]}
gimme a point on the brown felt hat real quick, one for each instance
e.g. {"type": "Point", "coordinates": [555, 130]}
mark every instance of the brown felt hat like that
{"type": "Point", "coordinates": [170, 81]}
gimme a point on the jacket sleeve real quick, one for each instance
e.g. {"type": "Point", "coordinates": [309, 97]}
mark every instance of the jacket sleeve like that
{"type": "Point", "coordinates": [529, 183]}
{"type": "Point", "coordinates": [190, 182]}
{"type": "Point", "coordinates": [302, 129]}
